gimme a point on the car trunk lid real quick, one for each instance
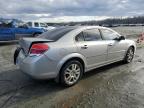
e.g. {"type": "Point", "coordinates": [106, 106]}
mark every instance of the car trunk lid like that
{"type": "Point", "coordinates": [26, 43]}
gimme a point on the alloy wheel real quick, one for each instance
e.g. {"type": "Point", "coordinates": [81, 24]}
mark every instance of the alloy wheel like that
{"type": "Point", "coordinates": [72, 74]}
{"type": "Point", "coordinates": [130, 55]}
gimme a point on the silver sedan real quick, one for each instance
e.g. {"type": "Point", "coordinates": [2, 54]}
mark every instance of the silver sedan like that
{"type": "Point", "coordinates": [66, 53]}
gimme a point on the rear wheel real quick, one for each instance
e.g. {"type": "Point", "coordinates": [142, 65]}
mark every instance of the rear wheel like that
{"type": "Point", "coordinates": [71, 73]}
{"type": "Point", "coordinates": [129, 55]}
{"type": "Point", "coordinates": [36, 34]}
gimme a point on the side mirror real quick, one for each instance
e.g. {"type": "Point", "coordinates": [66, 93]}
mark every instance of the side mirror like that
{"type": "Point", "coordinates": [120, 38]}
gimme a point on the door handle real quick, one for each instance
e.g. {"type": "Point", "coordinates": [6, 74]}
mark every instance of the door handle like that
{"type": "Point", "coordinates": [110, 44]}
{"type": "Point", "coordinates": [84, 47]}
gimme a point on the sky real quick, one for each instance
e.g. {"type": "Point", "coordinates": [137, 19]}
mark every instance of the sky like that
{"type": "Point", "coordinates": [69, 10]}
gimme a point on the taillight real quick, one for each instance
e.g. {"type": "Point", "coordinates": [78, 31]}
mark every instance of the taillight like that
{"type": "Point", "coordinates": [38, 48]}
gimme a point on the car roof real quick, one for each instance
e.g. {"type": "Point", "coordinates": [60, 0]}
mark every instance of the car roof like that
{"type": "Point", "coordinates": [81, 27]}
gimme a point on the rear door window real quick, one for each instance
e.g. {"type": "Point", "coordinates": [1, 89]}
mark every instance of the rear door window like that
{"type": "Point", "coordinates": [80, 37]}
{"type": "Point", "coordinates": [92, 35]}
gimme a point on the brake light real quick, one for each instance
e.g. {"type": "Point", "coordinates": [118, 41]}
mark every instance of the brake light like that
{"type": "Point", "coordinates": [38, 48]}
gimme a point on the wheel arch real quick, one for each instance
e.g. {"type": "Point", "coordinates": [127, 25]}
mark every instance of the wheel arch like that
{"type": "Point", "coordinates": [132, 47]}
{"type": "Point", "coordinates": [130, 44]}
{"type": "Point", "coordinates": [68, 58]}
{"type": "Point", "coordinates": [36, 33]}
{"type": "Point", "coordinates": [74, 56]}
{"type": "Point", "coordinates": [69, 61]}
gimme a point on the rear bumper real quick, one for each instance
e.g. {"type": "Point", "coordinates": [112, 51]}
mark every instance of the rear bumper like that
{"type": "Point", "coordinates": [38, 67]}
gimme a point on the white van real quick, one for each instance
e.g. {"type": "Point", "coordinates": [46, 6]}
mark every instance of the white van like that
{"type": "Point", "coordinates": [40, 25]}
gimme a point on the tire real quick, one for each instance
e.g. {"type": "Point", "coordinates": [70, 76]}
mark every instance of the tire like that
{"type": "Point", "coordinates": [71, 73]}
{"type": "Point", "coordinates": [16, 54]}
{"type": "Point", "coordinates": [36, 34]}
{"type": "Point", "coordinates": [129, 55]}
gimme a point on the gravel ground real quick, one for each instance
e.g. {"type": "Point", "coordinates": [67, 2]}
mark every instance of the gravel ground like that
{"type": "Point", "coordinates": [130, 32]}
{"type": "Point", "coordinates": [114, 86]}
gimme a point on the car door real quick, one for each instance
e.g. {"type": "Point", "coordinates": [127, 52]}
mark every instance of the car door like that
{"type": "Point", "coordinates": [116, 48]}
{"type": "Point", "coordinates": [92, 47]}
{"type": "Point", "coordinates": [7, 34]}
{"type": "Point", "coordinates": [22, 31]}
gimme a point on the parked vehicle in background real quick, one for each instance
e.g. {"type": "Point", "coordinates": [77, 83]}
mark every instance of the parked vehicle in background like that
{"type": "Point", "coordinates": [40, 25]}
{"type": "Point", "coordinates": [14, 31]}
{"type": "Point", "coordinates": [66, 53]}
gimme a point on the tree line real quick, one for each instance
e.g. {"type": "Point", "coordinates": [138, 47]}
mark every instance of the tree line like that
{"type": "Point", "coordinates": [107, 22]}
{"type": "Point", "coordinates": [132, 21]}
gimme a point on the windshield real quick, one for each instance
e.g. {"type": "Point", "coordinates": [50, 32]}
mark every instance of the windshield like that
{"type": "Point", "coordinates": [56, 33]}
{"type": "Point", "coordinates": [29, 24]}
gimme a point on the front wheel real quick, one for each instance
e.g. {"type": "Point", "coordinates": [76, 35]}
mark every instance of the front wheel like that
{"type": "Point", "coordinates": [71, 73]}
{"type": "Point", "coordinates": [129, 55]}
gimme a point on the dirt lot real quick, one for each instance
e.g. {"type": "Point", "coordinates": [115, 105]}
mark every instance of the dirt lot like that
{"type": "Point", "coordinates": [130, 32]}
{"type": "Point", "coordinates": [114, 86]}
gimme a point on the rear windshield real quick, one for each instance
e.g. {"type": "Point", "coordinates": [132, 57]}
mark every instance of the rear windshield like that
{"type": "Point", "coordinates": [55, 34]}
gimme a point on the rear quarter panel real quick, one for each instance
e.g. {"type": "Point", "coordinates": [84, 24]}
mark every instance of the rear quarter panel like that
{"type": "Point", "coordinates": [60, 52]}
